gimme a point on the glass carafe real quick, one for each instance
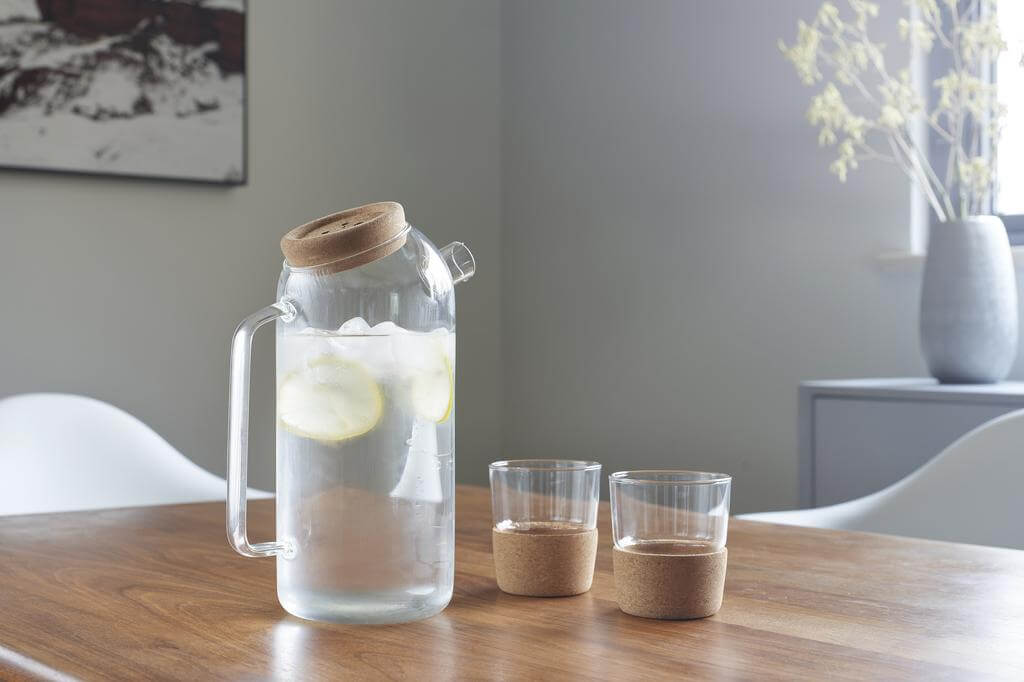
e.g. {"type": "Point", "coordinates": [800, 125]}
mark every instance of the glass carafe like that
{"type": "Point", "coordinates": [365, 419]}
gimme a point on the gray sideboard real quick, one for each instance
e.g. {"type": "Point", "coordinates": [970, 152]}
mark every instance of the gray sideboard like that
{"type": "Point", "coordinates": [857, 436]}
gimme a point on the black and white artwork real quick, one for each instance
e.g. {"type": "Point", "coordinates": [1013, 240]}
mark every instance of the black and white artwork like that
{"type": "Point", "coordinates": [152, 88]}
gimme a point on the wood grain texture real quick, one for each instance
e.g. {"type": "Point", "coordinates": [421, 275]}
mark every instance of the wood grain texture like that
{"type": "Point", "coordinates": [155, 593]}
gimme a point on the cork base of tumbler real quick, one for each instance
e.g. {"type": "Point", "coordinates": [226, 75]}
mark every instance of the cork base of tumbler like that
{"type": "Point", "coordinates": [669, 586]}
{"type": "Point", "coordinates": [541, 563]}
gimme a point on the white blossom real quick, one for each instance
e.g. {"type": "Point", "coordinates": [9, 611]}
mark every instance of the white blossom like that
{"type": "Point", "coordinates": [828, 16]}
{"type": "Point", "coordinates": [847, 160]}
{"type": "Point", "coordinates": [929, 9]}
{"type": "Point", "coordinates": [975, 172]}
{"type": "Point", "coordinates": [981, 39]}
{"type": "Point", "coordinates": [900, 101]}
{"type": "Point", "coordinates": [918, 32]}
{"type": "Point", "coordinates": [804, 53]}
{"type": "Point", "coordinates": [862, 11]}
{"type": "Point", "coordinates": [830, 112]}
{"type": "Point", "coordinates": [891, 117]}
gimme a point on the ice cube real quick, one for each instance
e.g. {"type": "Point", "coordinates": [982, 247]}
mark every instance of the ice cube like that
{"type": "Point", "coordinates": [421, 477]}
{"type": "Point", "coordinates": [386, 328]}
{"type": "Point", "coordinates": [356, 325]}
{"type": "Point", "coordinates": [298, 350]}
{"type": "Point", "coordinates": [310, 331]}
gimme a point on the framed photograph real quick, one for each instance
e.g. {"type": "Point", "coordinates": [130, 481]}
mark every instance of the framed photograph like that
{"type": "Point", "coordinates": [145, 88]}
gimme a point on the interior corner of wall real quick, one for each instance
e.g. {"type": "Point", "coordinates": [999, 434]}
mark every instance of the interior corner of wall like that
{"type": "Point", "coordinates": [919, 216]}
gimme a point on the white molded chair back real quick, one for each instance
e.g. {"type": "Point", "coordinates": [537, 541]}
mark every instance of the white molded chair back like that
{"type": "Point", "coordinates": [971, 492]}
{"type": "Point", "coordinates": [63, 452]}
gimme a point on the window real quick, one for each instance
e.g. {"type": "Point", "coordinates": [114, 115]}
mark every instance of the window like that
{"type": "Point", "coordinates": [1010, 156]}
{"type": "Point", "coordinates": [1008, 72]}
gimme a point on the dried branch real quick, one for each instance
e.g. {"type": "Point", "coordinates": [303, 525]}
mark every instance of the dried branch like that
{"type": "Point", "coordinates": [966, 112]}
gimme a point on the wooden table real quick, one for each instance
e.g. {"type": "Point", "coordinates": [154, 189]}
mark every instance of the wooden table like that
{"type": "Point", "coordinates": [156, 593]}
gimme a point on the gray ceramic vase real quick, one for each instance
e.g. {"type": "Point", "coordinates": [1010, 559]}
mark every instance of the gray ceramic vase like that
{"type": "Point", "coordinates": [969, 302]}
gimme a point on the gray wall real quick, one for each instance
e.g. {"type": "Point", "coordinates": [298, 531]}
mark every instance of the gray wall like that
{"type": "Point", "coordinates": [636, 177]}
{"type": "Point", "coordinates": [676, 255]}
{"type": "Point", "coordinates": [129, 291]}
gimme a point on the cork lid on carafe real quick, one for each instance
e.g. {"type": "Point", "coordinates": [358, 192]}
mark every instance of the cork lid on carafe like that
{"type": "Point", "coordinates": [347, 239]}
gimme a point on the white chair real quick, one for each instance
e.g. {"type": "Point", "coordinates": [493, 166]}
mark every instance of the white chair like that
{"type": "Point", "coordinates": [67, 452]}
{"type": "Point", "coordinates": [970, 492]}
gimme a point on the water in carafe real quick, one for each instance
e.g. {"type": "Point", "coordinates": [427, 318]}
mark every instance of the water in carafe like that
{"type": "Point", "coordinates": [365, 465]}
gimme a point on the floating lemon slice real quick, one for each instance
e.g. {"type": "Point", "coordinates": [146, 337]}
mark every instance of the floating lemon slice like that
{"type": "Point", "coordinates": [330, 399]}
{"type": "Point", "coordinates": [432, 390]}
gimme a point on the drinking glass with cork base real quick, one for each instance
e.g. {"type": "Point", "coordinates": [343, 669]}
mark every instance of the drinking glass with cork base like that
{"type": "Point", "coordinates": [545, 525]}
{"type": "Point", "coordinates": [669, 530]}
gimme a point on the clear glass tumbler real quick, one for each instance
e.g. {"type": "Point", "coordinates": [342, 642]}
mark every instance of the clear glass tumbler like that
{"type": "Point", "coordinates": [670, 512]}
{"type": "Point", "coordinates": [545, 525]}
{"type": "Point", "coordinates": [669, 531]}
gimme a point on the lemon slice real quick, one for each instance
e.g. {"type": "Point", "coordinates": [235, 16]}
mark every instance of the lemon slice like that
{"type": "Point", "coordinates": [432, 389]}
{"type": "Point", "coordinates": [330, 399]}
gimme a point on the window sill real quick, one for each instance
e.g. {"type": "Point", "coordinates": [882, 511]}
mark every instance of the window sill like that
{"type": "Point", "coordinates": [911, 260]}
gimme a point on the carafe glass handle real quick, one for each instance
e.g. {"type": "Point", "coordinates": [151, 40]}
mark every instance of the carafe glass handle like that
{"type": "Point", "coordinates": [238, 431]}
